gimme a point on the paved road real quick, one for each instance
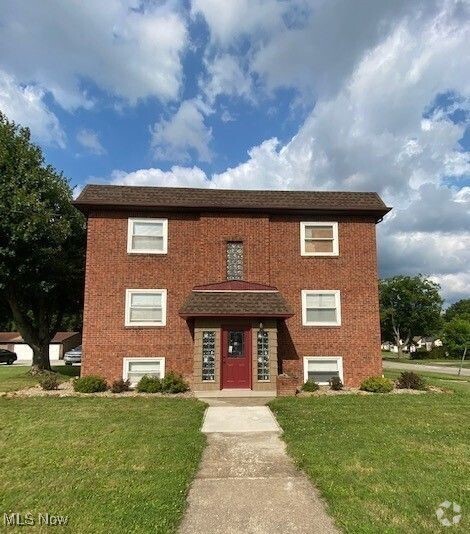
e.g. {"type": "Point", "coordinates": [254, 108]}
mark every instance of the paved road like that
{"type": "Point", "coordinates": [443, 369]}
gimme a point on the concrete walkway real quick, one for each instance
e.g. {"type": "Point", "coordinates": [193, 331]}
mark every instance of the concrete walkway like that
{"type": "Point", "coordinates": [246, 483]}
{"type": "Point", "coordinates": [443, 369]}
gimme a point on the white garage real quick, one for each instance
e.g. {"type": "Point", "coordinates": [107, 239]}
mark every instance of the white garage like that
{"type": "Point", "coordinates": [60, 344]}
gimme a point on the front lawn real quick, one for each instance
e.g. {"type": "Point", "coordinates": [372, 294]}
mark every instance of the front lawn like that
{"type": "Point", "coordinates": [383, 462]}
{"type": "Point", "coordinates": [14, 377]}
{"type": "Point", "coordinates": [453, 382]}
{"type": "Point", "coordinates": [110, 465]}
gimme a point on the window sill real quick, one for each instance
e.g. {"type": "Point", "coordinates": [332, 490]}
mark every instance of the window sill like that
{"type": "Point", "coordinates": [305, 255]}
{"type": "Point", "coordinates": [321, 325]}
{"type": "Point", "coordinates": [140, 326]}
{"type": "Point", "coordinates": [145, 253]}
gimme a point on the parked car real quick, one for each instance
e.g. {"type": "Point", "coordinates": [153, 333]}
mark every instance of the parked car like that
{"type": "Point", "coordinates": [7, 356]}
{"type": "Point", "coordinates": [73, 356]}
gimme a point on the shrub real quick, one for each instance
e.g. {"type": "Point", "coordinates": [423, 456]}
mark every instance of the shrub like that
{"type": "Point", "coordinates": [420, 354]}
{"type": "Point", "coordinates": [149, 384]}
{"type": "Point", "coordinates": [410, 380]}
{"type": "Point", "coordinates": [310, 385]}
{"type": "Point", "coordinates": [118, 386]}
{"type": "Point", "coordinates": [440, 353]}
{"type": "Point", "coordinates": [335, 383]}
{"type": "Point", "coordinates": [90, 384]}
{"type": "Point", "coordinates": [49, 382]}
{"type": "Point", "coordinates": [377, 384]}
{"type": "Point", "coordinates": [174, 383]}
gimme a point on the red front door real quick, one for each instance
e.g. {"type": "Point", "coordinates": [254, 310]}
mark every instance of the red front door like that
{"type": "Point", "coordinates": [236, 357]}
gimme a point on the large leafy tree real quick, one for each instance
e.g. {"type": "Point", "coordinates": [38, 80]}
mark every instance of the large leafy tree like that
{"type": "Point", "coordinates": [457, 336]}
{"type": "Point", "coordinates": [42, 241]}
{"type": "Point", "coordinates": [409, 306]}
{"type": "Point", "coordinates": [458, 310]}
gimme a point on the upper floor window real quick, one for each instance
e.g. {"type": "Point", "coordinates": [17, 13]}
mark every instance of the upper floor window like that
{"type": "Point", "coordinates": [321, 307]}
{"type": "Point", "coordinates": [319, 238]}
{"type": "Point", "coordinates": [145, 307]}
{"type": "Point", "coordinates": [147, 236]}
{"type": "Point", "coordinates": [234, 260]}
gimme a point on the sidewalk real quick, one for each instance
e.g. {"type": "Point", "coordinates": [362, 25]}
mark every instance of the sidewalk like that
{"type": "Point", "coordinates": [444, 370]}
{"type": "Point", "coordinates": [247, 484]}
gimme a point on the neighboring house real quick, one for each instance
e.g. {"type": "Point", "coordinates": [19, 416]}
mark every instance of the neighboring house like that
{"type": "Point", "coordinates": [391, 347]}
{"type": "Point", "coordinates": [231, 288]}
{"type": "Point", "coordinates": [425, 342]}
{"type": "Point", "coordinates": [60, 344]}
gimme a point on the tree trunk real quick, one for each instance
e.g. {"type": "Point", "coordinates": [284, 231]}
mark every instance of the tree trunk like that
{"type": "Point", "coordinates": [400, 350]}
{"type": "Point", "coordinates": [41, 360]}
{"type": "Point", "coordinates": [36, 334]}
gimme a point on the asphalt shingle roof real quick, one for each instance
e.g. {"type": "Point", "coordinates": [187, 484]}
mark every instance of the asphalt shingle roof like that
{"type": "Point", "coordinates": [235, 303]}
{"type": "Point", "coordinates": [131, 197]}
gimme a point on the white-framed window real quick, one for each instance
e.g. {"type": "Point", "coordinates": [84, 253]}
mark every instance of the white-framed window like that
{"type": "Point", "coordinates": [133, 369]}
{"type": "Point", "coordinates": [319, 239]}
{"type": "Point", "coordinates": [321, 369]}
{"type": "Point", "coordinates": [321, 307]}
{"type": "Point", "coordinates": [147, 236]}
{"type": "Point", "coordinates": [145, 307]}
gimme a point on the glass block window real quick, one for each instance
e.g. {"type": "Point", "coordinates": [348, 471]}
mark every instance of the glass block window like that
{"type": "Point", "coordinates": [235, 260]}
{"type": "Point", "coordinates": [321, 369]}
{"type": "Point", "coordinates": [263, 355]}
{"type": "Point", "coordinates": [319, 238]}
{"type": "Point", "coordinates": [208, 356]}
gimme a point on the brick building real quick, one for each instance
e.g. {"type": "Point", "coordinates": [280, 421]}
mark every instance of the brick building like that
{"type": "Point", "coordinates": [231, 288]}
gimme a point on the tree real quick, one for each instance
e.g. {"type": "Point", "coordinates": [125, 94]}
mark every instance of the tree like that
{"type": "Point", "coordinates": [456, 336]}
{"type": "Point", "coordinates": [409, 306]}
{"type": "Point", "coordinates": [458, 310]}
{"type": "Point", "coordinates": [42, 242]}
{"type": "Point", "coordinates": [6, 320]}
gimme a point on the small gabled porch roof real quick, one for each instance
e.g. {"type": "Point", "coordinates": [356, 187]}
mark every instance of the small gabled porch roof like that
{"type": "Point", "coordinates": [235, 298]}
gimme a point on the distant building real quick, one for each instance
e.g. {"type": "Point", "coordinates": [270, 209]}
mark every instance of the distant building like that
{"type": "Point", "coordinates": [60, 344]}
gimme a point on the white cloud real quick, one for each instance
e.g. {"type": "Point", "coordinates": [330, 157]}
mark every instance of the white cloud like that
{"type": "Point", "coordinates": [225, 77]}
{"type": "Point", "coordinates": [233, 19]}
{"type": "Point", "coordinates": [25, 105]}
{"type": "Point", "coordinates": [367, 130]}
{"type": "Point", "coordinates": [90, 140]}
{"type": "Point", "coordinates": [183, 133]}
{"type": "Point", "coordinates": [128, 50]}
{"type": "Point", "coordinates": [176, 177]}
{"type": "Point", "coordinates": [226, 116]}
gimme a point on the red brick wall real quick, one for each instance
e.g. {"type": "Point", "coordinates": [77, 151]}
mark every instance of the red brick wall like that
{"type": "Point", "coordinates": [196, 255]}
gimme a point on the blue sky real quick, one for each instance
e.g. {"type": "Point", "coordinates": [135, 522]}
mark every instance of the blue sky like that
{"type": "Point", "coordinates": [300, 94]}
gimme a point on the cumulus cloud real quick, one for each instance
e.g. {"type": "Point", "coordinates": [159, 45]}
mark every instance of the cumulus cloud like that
{"type": "Point", "coordinates": [378, 122]}
{"type": "Point", "coordinates": [25, 105]}
{"type": "Point", "coordinates": [176, 177]}
{"type": "Point", "coordinates": [183, 134]}
{"type": "Point", "coordinates": [129, 50]}
{"type": "Point", "coordinates": [238, 18]}
{"type": "Point", "coordinates": [90, 140]}
{"type": "Point", "coordinates": [225, 77]}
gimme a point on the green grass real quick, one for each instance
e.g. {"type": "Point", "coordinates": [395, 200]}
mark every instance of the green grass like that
{"type": "Point", "coordinates": [110, 465]}
{"type": "Point", "coordinates": [383, 462]}
{"type": "Point", "coordinates": [14, 377]}
{"type": "Point", "coordinates": [456, 383]}
{"type": "Point", "coordinates": [445, 363]}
